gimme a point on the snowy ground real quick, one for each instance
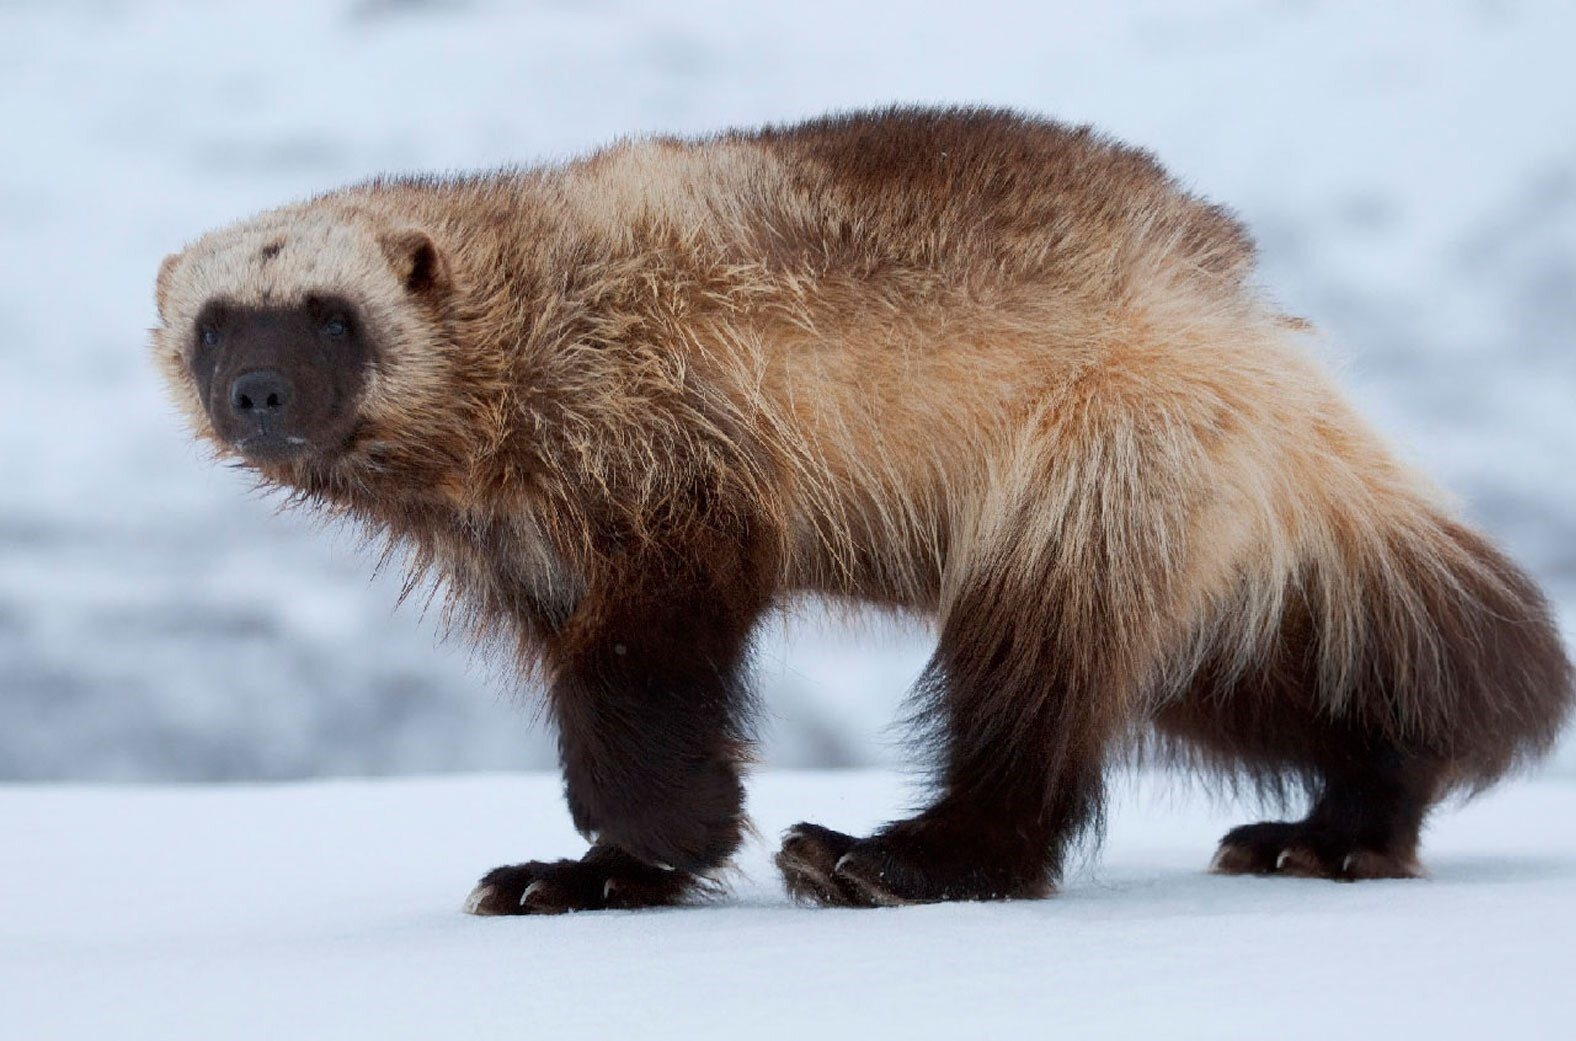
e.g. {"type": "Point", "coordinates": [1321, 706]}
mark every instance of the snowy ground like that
{"type": "Point", "coordinates": [330, 910]}
{"type": "Point", "coordinates": [1411, 177]}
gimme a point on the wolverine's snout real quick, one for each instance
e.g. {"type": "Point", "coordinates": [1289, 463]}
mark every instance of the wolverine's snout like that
{"type": "Point", "coordinates": [280, 382]}
{"type": "Point", "coordinates": [261, 399]}
{"type": "Point", "coordinates": [260, 404]}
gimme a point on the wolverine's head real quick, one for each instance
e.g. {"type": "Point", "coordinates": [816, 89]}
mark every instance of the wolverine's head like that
{"type": "Point", "coordinates": [298, 338]}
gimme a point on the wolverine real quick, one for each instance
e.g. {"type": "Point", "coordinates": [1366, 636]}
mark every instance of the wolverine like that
{"type": "Point", "coordinates": [984, 368]}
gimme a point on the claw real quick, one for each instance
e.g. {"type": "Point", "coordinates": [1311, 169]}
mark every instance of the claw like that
{"type": "Point", "coordinates": [473, 903]}
{"type": "Point", "coordinates": [532, 888]}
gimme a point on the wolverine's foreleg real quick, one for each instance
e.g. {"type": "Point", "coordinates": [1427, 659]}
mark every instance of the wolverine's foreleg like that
{"type": "Point", "coordinates": [647, 689]}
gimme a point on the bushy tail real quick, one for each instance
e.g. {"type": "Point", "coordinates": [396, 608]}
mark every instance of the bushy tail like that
{"type": "Point", "coordinates": [1435, 637]}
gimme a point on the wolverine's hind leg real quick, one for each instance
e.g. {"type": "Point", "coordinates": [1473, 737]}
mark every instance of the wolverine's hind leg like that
{"type": "Point", "coordinates": [1369, 795]}
{"type": "Point", "coordinates": [1024, 747]}
{"type": "Point", "coordinates": [1052, 624]}
{"type": "Point", "coordinates": [1364, 823]}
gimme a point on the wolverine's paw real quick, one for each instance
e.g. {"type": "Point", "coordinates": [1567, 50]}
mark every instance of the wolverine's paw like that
{"type": "Point", "coordinates": [1301, 850]}
{"type": "Point", "coordinates": [809, 861]}
{"type": "Point", "coordinates": [896, 867]}
{"type": "Point", "coordinates": [604, 879]}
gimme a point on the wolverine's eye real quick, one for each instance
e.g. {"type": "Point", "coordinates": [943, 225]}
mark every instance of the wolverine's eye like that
{"type": "Point", "coordinates": [209, 336]}
{"type": "Point", "coordinates": [335, 328]}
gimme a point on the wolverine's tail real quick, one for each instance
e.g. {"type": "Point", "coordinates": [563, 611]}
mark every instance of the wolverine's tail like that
{"type": "Point", "coordinates": [1431, 635]}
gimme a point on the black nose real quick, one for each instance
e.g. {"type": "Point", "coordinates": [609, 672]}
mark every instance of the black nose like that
{"type": "Point", "coordinates": [257, 395]}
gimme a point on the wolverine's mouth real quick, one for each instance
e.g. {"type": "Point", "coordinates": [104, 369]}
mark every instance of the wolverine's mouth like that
{"type": "Point", "coordinates": [271, 447]}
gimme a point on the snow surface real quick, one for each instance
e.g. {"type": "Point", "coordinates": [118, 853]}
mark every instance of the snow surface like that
{"type": "Point", "coordinates": [331, 910]}
{"type": "Point", "coordinates": [1411, 178]}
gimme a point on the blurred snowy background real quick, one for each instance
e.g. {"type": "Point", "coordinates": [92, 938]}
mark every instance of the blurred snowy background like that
{"type": "Point", "coordinates": [1410, 171]}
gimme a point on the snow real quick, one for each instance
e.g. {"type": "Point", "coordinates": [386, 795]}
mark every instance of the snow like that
{"type": "Point", "coordinates": [332, 910]}
{"type": "Point", "coordinates": [1411, 179]}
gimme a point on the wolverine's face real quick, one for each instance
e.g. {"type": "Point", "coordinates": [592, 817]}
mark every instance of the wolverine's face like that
{"type": "Point", "coordinates": [279, 381]}
{"type": "Point", "coordinates": [307, 335]}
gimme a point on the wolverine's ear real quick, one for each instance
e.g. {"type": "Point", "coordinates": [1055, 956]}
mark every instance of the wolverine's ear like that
{"type": "Point", "coordinates": [417, 262]}
{"type": "Point", "coordinates": [161, 288]}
